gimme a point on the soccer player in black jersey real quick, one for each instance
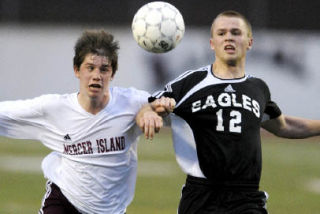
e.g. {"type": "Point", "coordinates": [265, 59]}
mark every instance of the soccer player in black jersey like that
{"type": "Point", "coordinates": [218, 112]}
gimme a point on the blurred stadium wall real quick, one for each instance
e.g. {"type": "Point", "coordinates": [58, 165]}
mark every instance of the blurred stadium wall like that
{"type": "Point", "coordinates": [37, 38]}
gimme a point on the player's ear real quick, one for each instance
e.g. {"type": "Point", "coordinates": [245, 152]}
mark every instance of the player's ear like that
{"type": "Point", "coordinates": [76, 71]}
{"type": "Point", "coordinates": [211, 44]}
{"type": "Point", "coordinates": [250, 43]}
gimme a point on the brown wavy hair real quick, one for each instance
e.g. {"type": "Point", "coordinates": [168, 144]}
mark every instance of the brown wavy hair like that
{"type": "Point", "coordinates": [96, 42]}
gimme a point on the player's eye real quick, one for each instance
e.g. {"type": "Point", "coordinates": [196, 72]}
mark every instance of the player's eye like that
{"type": "Point", "coordinates": [105, 68]}
{"type": "Point", "coordinates": [90, 68]}
{"type": "Point", "coordinates": [220, 33]}
{"type": "Point", "coordinates": [236, 32]}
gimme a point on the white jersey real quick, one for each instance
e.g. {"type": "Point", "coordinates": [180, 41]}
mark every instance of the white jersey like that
{"type": "Point", "coordinates": [94, 158]}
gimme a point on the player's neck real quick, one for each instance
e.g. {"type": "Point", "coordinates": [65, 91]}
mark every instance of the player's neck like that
{"type": "Point", "coordinates": [93, 105]}
{"type": "Point", "coordinates": [227, 71]}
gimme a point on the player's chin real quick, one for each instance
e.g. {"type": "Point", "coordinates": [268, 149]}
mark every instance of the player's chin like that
{"type": "Point", "coordinates": [231, 61]}
{"type": "Point", "coordinates": [94, 93]}
{"type": "Point", "coordinates": [95, 90]}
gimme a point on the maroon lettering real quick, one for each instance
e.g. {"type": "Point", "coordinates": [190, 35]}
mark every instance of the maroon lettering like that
{"type": "Point", "coordinates": [123, 143]}
{"type": "Point", "coordinates": [66, 149]}
{"type": "Point", "coordinates": [75, 151]}
{"type": "Point", "coordinates": [118, 143]}
{"type": "Point", "coordinates": [78, 148]}
{"type": "Point", "coordinates": [84, 149]}
{"type": "Point", "coordinates": [112, 147]}
{"type": "Point", "coordinates": [103, 146]}
{"type": "Point", "coordinates": [89, 145]}
{"type": "Point", "coordinates": [100, 146]}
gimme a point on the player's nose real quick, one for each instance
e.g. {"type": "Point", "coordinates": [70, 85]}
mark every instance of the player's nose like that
{"type": "Point", "coordinates": [96, 74]}
{"type": "Point", "coordinates": [229, 36]}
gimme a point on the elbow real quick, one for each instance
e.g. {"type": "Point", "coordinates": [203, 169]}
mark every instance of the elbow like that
{"type": "Point", "coordinates": [281, 133]}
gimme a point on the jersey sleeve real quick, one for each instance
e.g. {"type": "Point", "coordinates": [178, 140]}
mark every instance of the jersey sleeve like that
{"type": "Point", "coordinates": [178, 87]}
{"type": "Point", "coordinates": [272, 110]}
{"type": "Point", "coordinates": [142, 97]}
{"type": "Point", "coordinates": [21, 119]}
{"type": "Point", "coordinates": [171, 90]}
{"type": "Point", "coordinates": [134, 99]}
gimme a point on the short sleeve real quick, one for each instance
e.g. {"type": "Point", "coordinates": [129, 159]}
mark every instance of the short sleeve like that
{"type": "Point", "coordinates": [272, 111]}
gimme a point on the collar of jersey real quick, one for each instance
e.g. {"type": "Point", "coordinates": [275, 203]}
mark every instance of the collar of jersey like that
{"type": "Point", "coordinates": [106, 108]}
{"type": "Point", "coordinates": [233, 80]}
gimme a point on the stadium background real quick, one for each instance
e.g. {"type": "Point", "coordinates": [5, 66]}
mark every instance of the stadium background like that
{"type": "Point", "coordinates": [37, 38]}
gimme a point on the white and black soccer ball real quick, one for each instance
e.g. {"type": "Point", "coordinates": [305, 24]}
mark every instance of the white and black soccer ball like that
{"type": "Point", "coordinates": [158, 27]}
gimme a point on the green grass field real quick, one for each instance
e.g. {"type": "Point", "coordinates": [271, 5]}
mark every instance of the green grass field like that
{"type": "Point", "coordinates": [291, 176]}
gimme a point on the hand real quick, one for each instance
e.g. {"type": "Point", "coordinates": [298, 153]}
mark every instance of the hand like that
{"type": "Point", "coordinates": [163, 106]}
{"type": "Point", "coordinates": [149, 122]}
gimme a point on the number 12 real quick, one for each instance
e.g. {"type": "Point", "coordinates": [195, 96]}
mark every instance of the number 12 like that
{"type": "Point", "coordinates": [233, 123]}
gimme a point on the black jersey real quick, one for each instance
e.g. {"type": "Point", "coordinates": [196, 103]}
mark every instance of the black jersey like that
{"type": "Point", "coordinates": [216, 125]}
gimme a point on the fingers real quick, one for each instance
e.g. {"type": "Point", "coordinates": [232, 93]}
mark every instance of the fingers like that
{"type": "Point", "coordinates": [163, 105]}
{"type": "Point", "coordinates": [171, 104]}
{"type": "Point", "coordinates": [160, 109]}
{"type": "Point", "coordinates": [141, 124]}
{"type": "Point", "coordinates": [156, 105]}
{"type": "Point", "coordinates": [154, 126]}
{"type": "Point", "coordinates": [158, 124]}
{"type": "Point", "coordinates": [150, 124]}
{"type": "Point", "coordinates": [149, 134]}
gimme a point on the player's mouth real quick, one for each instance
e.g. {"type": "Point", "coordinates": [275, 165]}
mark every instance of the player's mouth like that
{"type": "Point", "coordinates": [229, 48]}
{"type": "Point", "coordinates": [95, 86]}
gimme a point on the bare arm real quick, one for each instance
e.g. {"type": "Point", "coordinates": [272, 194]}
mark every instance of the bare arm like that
{"type": "Point", "coordinates": [149, 121]}
{"type": "Point", "coordinates": [292, 127]}
{"type": "Point", "coordinates": [148, 118]}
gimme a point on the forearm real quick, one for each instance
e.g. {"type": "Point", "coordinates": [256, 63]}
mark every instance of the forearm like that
{"type": "Point", "coordinates": [297, 128]}
{"type": "Point", "coordinates": [303, 128]}
{"type": "Point", "coordinates": [148, 121]}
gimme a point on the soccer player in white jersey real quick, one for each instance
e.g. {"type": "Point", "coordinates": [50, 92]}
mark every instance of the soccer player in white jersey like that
{"type": "Point", "coordinates": [92, 133]}
{"type": "Point", "coordinates": [216, 125]}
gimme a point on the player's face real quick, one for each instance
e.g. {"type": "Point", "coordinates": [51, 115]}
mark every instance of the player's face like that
{"type": "Point", "coordinates": [230, 39]}
{"type": "Point", "coordinates": [95, 74]}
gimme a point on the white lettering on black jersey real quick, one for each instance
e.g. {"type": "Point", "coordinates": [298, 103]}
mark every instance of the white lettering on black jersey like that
{"type": "Point", "coordinates": [227, 100]}
{"type": "Point", "coordinates": [224, 118]}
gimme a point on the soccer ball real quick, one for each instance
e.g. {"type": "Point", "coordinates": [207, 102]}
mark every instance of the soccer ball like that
{"type": "Point", "coordinates": [158, 27]}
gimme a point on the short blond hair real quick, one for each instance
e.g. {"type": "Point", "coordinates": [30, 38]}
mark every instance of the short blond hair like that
{"type": "Point", "coordinates": [232, 13]}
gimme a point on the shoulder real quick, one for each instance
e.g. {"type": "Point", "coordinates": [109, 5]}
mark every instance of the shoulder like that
{"type": "Point", "coordinates": [55, 101]}
{"type": "Point", "coordinates": [257, 81]}
{"type": "Point", "coordinates": [193, 75]}
{"type": "Point", "coordinates": [54, 98]}
{"type": "Point", "coordinates": [199, 71]}
{"type": "Point", "coordinates": [128, 92]}
{"type": "Point", "coordinates": [259, 85]}
{"type": "Point", "coordinates": [129, 95]}
{"type": "Point", "coordinates": [188, 79]}
{"type": "Point", "coordinates": [179, 86]}
{"type": "Point", "coordinates": [41, 100]}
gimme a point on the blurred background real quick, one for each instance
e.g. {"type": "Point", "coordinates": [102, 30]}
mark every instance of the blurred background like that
{"type": "Point", "coordinates": [36, 51]}
{"type": "Point", "coordinates": [37, 39]}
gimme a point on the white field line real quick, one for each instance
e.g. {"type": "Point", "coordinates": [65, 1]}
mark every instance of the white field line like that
{"type": "Point", "coordinates": [313, 185]}
{"type": "Point", "coordinates": [32, 164]}
{"type": "Point", "coordinates": [28, 164]}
